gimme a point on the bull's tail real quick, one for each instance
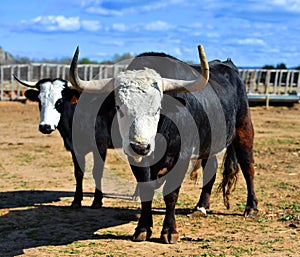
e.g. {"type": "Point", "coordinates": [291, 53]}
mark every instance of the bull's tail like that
{"type": "Point", "coordinates": [231, 169]}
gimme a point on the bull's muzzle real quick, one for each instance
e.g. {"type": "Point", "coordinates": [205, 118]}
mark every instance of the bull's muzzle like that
{"type": "Point", "coordinates": [140, 149]}
{"type": "Point", "coordinates": [46, 129]}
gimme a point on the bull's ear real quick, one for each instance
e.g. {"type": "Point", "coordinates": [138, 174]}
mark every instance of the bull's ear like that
{"type": "Point", "coordinates": [32, 95]}
{"type": "Point", "coordinates": [74, 100]}
{"type": "Point", "coordinates": [174, 105]}
{"type": "Point", "coordinates": [71, 95]}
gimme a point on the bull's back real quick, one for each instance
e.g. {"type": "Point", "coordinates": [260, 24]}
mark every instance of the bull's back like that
{"type": "Point", "coordinates": [215, 109]}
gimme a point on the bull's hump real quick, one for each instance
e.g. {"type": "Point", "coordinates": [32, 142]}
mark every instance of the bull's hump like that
{"type": "Point", "coordinates": [166, 65]}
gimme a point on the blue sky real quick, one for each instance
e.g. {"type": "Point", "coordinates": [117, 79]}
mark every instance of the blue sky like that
{"type": "Point", "coordinates": [250, 32]}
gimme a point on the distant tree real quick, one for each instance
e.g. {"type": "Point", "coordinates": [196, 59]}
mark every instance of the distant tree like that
{"type": "Point", "coordinates": [23, 60]}
{"type": "Point", "coordinates": [298, 67]}
{"type": "Point", "coordinates": [65, 60]}
{"type": "Point", "coordinates": [107, 62]}
{"type": "Point", "coordinates": [86, 60]}
{"type": "Point", "coordinates": [278, 66]}
{"type": "Point", "coordinates": [268, 67]}
{"type": "Point", "coordinates": [44, 60]}
{"type": "Point", "coordinates": [281, 66]}
{"type": "Point", "coordinates": [118, 58]}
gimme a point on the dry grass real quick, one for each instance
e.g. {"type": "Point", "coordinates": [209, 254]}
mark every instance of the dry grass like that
{"type": "Point", "coordinates": [37, 184]}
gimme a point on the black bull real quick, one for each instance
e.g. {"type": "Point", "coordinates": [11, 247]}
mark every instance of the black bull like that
{"type": "Point", "coordinates": [101, 135]}
{"type": "Point", "coordinates": [224, 96]}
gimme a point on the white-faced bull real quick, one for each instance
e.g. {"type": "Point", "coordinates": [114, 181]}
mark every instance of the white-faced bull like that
{"type": "Point", "coordinates": [57, 102]}
{"type": "Point", "coordinates": [213, 95]}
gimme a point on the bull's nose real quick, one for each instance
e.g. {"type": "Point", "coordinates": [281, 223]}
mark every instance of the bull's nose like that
{"type": "Point", "coordinates": [140, 149]}
{"type": "Point", "coordinates": [45, 129]}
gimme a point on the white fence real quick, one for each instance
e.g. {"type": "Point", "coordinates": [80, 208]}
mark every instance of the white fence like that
{"type": "Point", "coordinates": [261, 85]}
{"type": "Point", "coordinates": [271, 85]}
{"type": "Point", "coordinates": [11, 90]}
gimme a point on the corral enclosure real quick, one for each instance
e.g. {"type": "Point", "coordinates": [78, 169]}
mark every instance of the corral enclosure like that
{"type": "Point", "coordinates": [264, 86]}
{"type": "Point", "coordinates": [37, 185]}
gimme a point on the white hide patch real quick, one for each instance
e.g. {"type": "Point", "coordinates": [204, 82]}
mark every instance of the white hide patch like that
{"type": "Point", "coordinates": [138, 98]}
{"type": "Point", "coordinates": [49, 94]}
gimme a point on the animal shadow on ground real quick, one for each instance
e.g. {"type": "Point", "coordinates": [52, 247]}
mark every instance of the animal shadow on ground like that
{"type": "Point", "coordinates": [31, 221]}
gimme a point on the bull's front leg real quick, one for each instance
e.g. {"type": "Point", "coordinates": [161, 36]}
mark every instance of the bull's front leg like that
{"type": "Point", "coordinates": [78, 173]}
{"type": "Point", "coordinates": [143, 230]}
{"type": "Point", "coordinates": [97, 174]}
{"type": "Point", "coordinates": [171, 189]}
{"type": "Point", "coordinates": [169, 233]}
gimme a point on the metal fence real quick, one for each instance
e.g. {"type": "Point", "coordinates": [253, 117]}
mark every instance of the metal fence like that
{"type": "Point", "coordinates": [261, 85]}
{"type": "Point", "coordinates": [11, 90]}
{"type": "Point", "coordinates": [272, 85]}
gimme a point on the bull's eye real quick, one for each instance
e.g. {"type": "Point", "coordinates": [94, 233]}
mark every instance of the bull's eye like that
{"type": "Point", "coordinates": [154, 113]}
{"type": "Point", "coordinates": [158, 110]}
{"type": "Point", "coordinates": [119, 111]}
{"type": "Point", "coordinates": [59, 105]}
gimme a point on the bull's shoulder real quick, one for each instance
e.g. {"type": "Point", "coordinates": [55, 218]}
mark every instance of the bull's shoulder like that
{"type": "Point", "coordinates": [224, 71]}
{"type": "Point", "coordinates": [166, 65]}
{"type": "Point", "coordinates": [217, 66]}
{"type": "Point", "coordinates": [223, 65]}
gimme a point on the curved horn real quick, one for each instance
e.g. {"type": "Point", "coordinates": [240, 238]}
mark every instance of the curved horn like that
{"type": "Point", "coordinates": [174, 85]}
{"type": "Point", "coordinates": [79, 84]}
{"type": "Point", "coordinates": [70, 86]}
{"type": "Point", "coordinates": [25, 83]}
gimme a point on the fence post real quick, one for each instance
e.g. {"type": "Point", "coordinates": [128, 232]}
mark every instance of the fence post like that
{"type": "Point", "coordinates": [267, 85]}
{"type": "Point", "coordinates": [1, 82]}
{"type": "Point", "coordinates": [12, 84]}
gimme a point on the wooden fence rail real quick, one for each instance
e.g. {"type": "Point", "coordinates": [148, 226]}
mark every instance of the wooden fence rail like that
{"type": "Point", "coordinates": [261, 85]}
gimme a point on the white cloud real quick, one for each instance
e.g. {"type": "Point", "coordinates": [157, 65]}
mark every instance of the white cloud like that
{"type": "Point", "coordinates": [53, 23]}
{"type": "Point", "coordinates": [126, 7]}
{"type": "Point", "coordinates": [158, 26]}
{"type": "Point", "coordinates": [152, 7]}
{"type": "Point", "coordinates": [91, 25]}
{"type": "Point", "coordinates": [290, 5]}
{"type": "Point", "coordinates": [213, 35]}
{"type": "Point", "coordinates": [103, 11]}
{"type": "Point", "coordinates": [177, 51]}
{"type": "Point", "coordinates": [119, 27]}
{"type": "Point", "coordinates": [250, 41]}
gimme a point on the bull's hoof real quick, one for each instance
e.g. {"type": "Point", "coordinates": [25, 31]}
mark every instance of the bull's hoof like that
{"type": "Point", "coordinates": [250, 212]}
{"type": "Point", "coordinates": [169, 238]}
{"type": "Point", "coordinates": [202, 211]}
{"type": "Point", "coordinates": [140, 236]}
{"type": "Point", "coordinates": [96, 205]}
{"type": "Point", "coordinates": [76, 205]}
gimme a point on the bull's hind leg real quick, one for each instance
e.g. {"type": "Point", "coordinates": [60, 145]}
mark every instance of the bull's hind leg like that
{"type": "Point", "coordinates": [244, 151]}
{"type": "Point", "coordinates": [209, 176]}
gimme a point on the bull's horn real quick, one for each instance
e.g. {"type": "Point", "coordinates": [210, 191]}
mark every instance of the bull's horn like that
{"type": "Point", "coordinates": [25, 83]}
{"type": "Point", "coordinates": [92, 85]}
{"type": "Point", "coordinates": [70, 86]}
{"type": "Point", "coordinates": [174, 85]}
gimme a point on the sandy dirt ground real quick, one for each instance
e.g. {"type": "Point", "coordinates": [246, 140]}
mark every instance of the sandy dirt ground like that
{"type": "Point", "coordinates": [37, 187]}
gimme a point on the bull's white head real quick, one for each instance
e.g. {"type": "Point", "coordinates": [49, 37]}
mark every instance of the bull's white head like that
{"type": "Point", "coordinates": [138, 96]}
{"type": "Point", "coordinates": [138, 99]}
{"type": "Point", "coordinates": [49, 94]}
